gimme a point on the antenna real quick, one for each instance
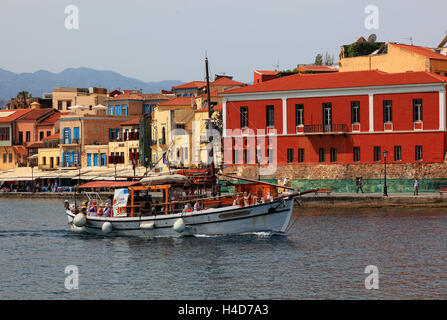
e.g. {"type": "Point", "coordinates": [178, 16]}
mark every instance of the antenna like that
{"type": "Point", "coordinates": [409, 38]}
{"type": "Point", "coordinates": [277, 66]}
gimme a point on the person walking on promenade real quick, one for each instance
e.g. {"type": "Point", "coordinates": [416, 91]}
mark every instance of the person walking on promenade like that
{"type": "Point", "coordinates": [415, 187]}
{"type": "Point", "coordinates": [359, 184]}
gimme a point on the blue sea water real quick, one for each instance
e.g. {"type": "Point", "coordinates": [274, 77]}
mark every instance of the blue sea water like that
{"type": "Point", "coordinates": [324, 256]}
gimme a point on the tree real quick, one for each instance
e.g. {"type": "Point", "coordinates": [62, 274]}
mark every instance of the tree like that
{"type": "Point", "coordinates": [23, 99]}
{"type": "Point", "coordinates": [328, 59]}
{"type": "Point", "coordinates": [318, 60]}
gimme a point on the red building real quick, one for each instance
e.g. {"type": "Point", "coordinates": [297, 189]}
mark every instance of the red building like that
{"type": "Point", "coordinates": [344, 118]}
{"type": "Point", "coordinates": [260, 76]}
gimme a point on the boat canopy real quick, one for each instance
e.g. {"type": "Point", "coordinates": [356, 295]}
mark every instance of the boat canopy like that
{"type": "Point", "coordinates": [164, 179]}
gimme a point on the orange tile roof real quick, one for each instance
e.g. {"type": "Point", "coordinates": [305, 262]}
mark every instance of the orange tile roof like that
{"type": "Point", "coordinates": [213, 94]}
{"type": "Point", "coordinates": [35, 144]}
{"type": "Point", "coordinates": [316, 68]}
{"type": "Point", "coordinates": [308, 81]}
{"type": "Point", "coordinates": [12, 115]}
{"type": "Point", "coordinates": [132, 122]}
{"type": "Point", "coordinates": [226, 82]}
{"type": "Point", "coordinates": [191, 85]}
{"type": "Point", "coordinates": [53, 118]}
{"type": "Point", "coordinates": [424, 51]}
{"type": "Point", "coordinates": [179, 101]}
{"type": "Point", "coordinates": [35, 114]}
{"type": "Point", "coordinates": [55, 136]}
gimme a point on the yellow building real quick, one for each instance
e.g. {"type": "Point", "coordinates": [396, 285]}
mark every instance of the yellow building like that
{"type": "Point", "coordinates": [49, 154]}
{"type": "Point", "coordinates": [65, 98]}
{"type": "Point", "coordinates": [126, 147]}
{"type": "Point", "coordinates": [171, 133]}
{"type": "Point", "coordinates": [398, 58]}
{"type": "Point", "coordinates": [201, 151]}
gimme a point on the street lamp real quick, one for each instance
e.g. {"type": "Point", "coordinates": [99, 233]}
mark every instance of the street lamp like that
{"type": "Point", "coordinates": [32, 176]}
{"type": "Point", "coordinates": [385, 189]}
{"type": "Point", "coordinates": [134, 165]}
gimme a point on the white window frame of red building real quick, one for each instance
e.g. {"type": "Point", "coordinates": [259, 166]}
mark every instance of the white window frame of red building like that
{"type": "Point", "coordinates": [270, 116]}
{"type": "Point", "coordinates": [377, 153]}
{"type": "Point", "coordinates": [333, 155]}
{"type": "Point", "coordinates": [418, 150]}
{"type": "Point", "coordinates": [301, 155]}
{"type": "Point", "coordinates": [397, 153]}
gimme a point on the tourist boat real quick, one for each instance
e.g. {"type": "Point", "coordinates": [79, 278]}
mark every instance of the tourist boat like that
{"type": "Point", "coordinates": [138, 213]}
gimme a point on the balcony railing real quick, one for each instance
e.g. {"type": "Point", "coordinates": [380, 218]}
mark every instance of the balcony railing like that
{"type": "Point", "coordinates": [73, 141]}
{"type": "Point", "coordinates": [320, 128]}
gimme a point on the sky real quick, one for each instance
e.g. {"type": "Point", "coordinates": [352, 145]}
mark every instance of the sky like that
{"type": "Point", "coordinates": [167, 39]}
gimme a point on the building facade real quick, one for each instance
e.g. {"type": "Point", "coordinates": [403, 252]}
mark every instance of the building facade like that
{"type": "Point", "coordinates": [398, 58]}
{"type": "Point", "coordinates": [303, 123]}
{"type": "Point", "coordinates": [78, 133]}
{"type": "Point", "coordinates": [65, 98]}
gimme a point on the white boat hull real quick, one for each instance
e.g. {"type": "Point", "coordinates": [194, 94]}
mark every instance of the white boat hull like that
{"type": "Point", "coordinates": [272, 217]}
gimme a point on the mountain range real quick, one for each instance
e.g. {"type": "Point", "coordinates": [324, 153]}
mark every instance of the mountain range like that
{"type": "Point", "coordinates": [42, 81]}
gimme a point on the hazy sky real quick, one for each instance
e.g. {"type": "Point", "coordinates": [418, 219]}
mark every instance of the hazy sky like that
{"type": "Point", "coordinates": [166, 39]}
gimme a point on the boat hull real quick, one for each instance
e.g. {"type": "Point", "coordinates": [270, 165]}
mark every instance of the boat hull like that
{"type": "Point", "coordinates": [272, 217]}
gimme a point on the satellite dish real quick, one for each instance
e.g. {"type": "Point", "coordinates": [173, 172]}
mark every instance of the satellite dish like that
{"type": "Point", "coordinates": [372, 38]}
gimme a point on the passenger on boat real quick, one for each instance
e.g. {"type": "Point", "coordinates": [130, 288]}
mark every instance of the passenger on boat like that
{"type": "Point", "coordinates": [100, 212]}
{"type": "Point", "coordinates": [92, 211]}
{"type": "Point", "coordinates": [84, 207]}
{"type": "Point", "coordinates": [197, 206]}
{"type": "Point", "coordinates": [107, 212]}
{"type": "Point", "coordinates": [187, 208]}
{"type": "Point", "coordinates": [255, 199]}
{"type": "Point", "coordinates": [246, 200]}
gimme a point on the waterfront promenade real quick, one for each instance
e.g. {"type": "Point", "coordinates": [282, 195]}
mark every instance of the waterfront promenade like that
{"type": "Point", "coordinates": [333, 200]}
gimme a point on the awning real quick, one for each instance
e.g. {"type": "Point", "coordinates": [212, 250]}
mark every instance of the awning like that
{"type": "Point", "coordinates": [77, 107]}
{"type": "Point", "coordinates": [109, 184]}
{"type": "Point", "coordinates": [100, 107]}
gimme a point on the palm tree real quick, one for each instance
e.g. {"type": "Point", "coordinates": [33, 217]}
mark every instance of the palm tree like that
{"type": "Point", "coordinates": [24, 99]}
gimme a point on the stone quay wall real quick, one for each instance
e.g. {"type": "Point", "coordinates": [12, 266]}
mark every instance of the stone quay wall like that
{"type": "Point", "coordinates": [341, 177]}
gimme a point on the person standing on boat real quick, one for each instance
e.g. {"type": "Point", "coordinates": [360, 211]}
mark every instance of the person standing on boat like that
{"type": "Point", "coordinates": [197, 206]}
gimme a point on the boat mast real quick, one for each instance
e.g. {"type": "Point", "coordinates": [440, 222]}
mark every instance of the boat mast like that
{"type": "Point", "coordinates": [210, 126]}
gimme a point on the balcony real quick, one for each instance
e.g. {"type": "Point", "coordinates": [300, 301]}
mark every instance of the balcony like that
{"type": "Point", "coordinates": [325, 129]}
{"type": "Point", "coordinates": [67, 142]}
